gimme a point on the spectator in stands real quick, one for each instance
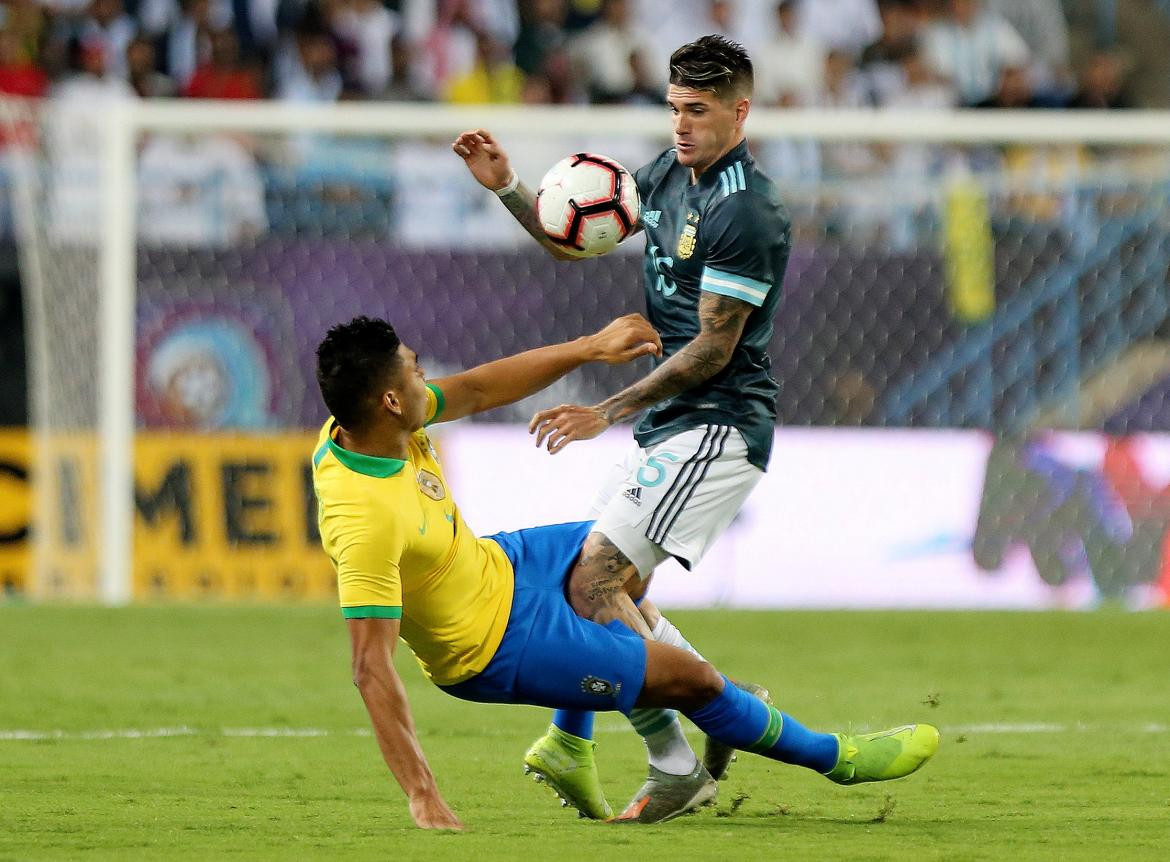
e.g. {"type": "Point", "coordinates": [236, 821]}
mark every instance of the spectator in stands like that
{"type": "Point", "coordinates": [187, 44]}
{"type": "Point", "coordinates": [19, 75]}
{"type": "Point", "coordinates": [1102, 83]}
{"type": "Point", "coordinates": [883, 61]}
{"type": "Point", "coordinates": [1136, 34]}
{"type": "Point", "coordinates": [224, 76]}
{"type": "Point", "coordinates": [74, 129]}
{"type": "Point", "coordinates": [107, 26]}
{"type": "Point", "coordinates": [972, 47]}
{"type": "Point", "coordinates": [844, 87]}
{"type": "Point", "coordinates": [256, 25]}
{"type": "Point", "coordinates": [1014, 91]}
{"type": "Point", "coordinates": [157, 17]}
{"type": "Point", "coordinates": [306, 68]}
{"type": "Point", "coordinates": [492, 79]}
{"type": "Point", "coordinates": [844, 26]}
{"type": "Point", "coordinates": [790, 70]}
{"type": "Point", "coordinates": [199, 190]}
{"type": "Point", "coordinates": [372, 30]}
{"type": "Point", "coordinates": [448, 49]}
{"type": "Point", "coordinates": [541, 46]}
{"type": "Point", "coordinates": [1042, 26]}
{"type": "Point", "coordinates": [919, 87]}
{"type": "Point", "coordinates": [611, 61]}
{"type": "Point", "coordinates": [90, 79]}
{"type": "Point", "coordinates": [142, 71]}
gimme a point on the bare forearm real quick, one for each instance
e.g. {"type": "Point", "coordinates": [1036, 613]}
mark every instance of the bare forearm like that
{"type": "Point", "coordinates": [508, 380]}
{"type": "Point", "coordinates": [694, 364]}
{"type": "Point", "coordinates": [621, 607]}
{"type": "Point", "coordinates": [721, 322]}
{"type": "Point", "coordinates": [385, 700]}
{"type": "Point", "coordinates": [521, 203]}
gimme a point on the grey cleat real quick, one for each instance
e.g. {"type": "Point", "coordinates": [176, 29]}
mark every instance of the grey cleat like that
{"type": "Point", "coordinates": [664, 797]}
{"type": "Point", "coordinates": [718, 756]}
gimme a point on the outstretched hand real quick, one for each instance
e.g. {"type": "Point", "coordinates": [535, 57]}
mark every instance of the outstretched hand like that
{"type": "Point", "coordinates": [485, 158]}
{"type": "Point", "coordinates": [625, 340]}
{"type": "Point", "coordinates": [561, 425]}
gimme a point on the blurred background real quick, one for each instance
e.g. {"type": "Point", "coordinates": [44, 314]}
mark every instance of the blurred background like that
{"type": "Point", "coordinates": [972, 347]}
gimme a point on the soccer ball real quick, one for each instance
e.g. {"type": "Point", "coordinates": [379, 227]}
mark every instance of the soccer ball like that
{"type": "Point", "coordinates": [587, 204]}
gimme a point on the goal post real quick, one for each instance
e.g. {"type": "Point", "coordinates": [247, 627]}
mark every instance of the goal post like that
{"type": "Point", "coordinates": [1081, 295]}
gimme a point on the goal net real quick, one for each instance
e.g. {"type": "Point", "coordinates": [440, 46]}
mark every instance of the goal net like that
{"type": "Point", "coordinates": [975, 306]}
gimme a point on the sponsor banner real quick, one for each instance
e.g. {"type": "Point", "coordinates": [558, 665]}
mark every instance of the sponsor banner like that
{"type": "Point", "coordinates": [879, 518]}
{"type": "Point", "coordinates": [15, 511]}
{"type": "Point", "coordinates": [217, 516]}
{"type": "Point", "coordinates": [843, 518]}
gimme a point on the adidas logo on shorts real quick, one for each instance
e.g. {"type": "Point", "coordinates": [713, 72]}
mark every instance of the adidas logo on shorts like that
{"type": "Point", "coordinates": [634, 495]}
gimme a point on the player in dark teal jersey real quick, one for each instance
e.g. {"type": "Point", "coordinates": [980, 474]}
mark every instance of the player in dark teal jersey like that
{"type": "Point", "coordinates": [717, 244]}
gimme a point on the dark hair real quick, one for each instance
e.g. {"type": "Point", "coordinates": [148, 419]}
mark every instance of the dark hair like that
{"type": "Point", "coordinates": [713, 63]}
{"type": "Point", "coordinates": [355, 362]}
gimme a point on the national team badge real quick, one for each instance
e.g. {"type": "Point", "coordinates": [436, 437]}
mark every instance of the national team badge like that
{"type": "Point", "coordinates": [600, 687]}
{"type": "Point", "coordinates": [431, 485]}
{"type": "Point", "coordinates": [686, 241]}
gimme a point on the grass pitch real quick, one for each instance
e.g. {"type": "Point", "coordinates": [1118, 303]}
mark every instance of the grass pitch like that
{"type": "Point", "coordinates": [1054, 730]}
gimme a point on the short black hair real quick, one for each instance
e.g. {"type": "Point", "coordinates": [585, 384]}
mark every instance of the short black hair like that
{"type": "Point", "coordinates": [713, 63]}
{"type": "Point", "coordinates": [355, 363]}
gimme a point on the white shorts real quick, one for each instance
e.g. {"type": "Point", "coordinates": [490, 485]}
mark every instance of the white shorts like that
{"type": "Point", "coordinates": [675, 498]}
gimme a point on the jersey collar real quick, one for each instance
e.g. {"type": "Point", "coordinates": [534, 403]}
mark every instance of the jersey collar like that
{"type": "Point", "coordinates": [367, 465]}
{"type": "Point", "coordinates": [738, 153]}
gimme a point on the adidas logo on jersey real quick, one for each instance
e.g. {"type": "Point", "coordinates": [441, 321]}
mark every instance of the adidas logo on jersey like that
{"type": "Point", "coordinates": [651, 217]}
{"type": "Point", "coordinates": [634, 495]}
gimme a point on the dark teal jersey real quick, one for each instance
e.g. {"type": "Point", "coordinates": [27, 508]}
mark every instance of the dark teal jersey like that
{"type": "Point", "coordinates": [727, 234]}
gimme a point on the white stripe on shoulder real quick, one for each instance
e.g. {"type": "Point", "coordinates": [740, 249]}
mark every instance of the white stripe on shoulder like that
{"type": "Point", "coordinates": [715, 281]}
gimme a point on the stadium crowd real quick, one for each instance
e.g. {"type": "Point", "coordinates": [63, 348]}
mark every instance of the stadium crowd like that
{"type": "Point", "coordinates": [812, 53]}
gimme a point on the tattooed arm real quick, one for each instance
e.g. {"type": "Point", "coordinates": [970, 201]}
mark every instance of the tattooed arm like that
{"type": "Point", "coordinates": [488, 163]}
{"type": "Point", "coordinates": [721, 321]}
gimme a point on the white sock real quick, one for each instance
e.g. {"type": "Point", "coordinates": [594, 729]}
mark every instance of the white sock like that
{"type": "Point", "coordinates": [666, 745]}
{"type": "Point", "coordinates": [660, 729]}
{"type": "Point", "coordinates": [664, 632]}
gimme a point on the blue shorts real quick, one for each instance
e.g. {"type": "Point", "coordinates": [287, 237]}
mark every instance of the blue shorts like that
{"type": "Point", "coordinates": [550, 656]}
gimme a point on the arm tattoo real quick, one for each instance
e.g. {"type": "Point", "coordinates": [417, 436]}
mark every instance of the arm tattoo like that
{"type": "Point", "coordinates": [721, 322]}
{"type": "Point", "coordinates": [607, 569]}
{"type": "Point", "coordinates": [610, 569]}
{"type": "Point", "coordinates": [521, 203]}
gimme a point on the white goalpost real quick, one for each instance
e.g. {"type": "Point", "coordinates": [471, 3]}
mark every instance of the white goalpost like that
{"type": "Point", "coordinates": [1119, 225]}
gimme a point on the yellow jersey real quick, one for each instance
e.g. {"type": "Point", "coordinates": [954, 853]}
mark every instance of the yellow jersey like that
{"type": "Point", "coordinates": [402, 551]}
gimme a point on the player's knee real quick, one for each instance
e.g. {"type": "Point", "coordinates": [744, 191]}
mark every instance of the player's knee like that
{"type": "Point", "coordinates": [696, 684]}
{"type": "Point", "coordinates": [706, 683]}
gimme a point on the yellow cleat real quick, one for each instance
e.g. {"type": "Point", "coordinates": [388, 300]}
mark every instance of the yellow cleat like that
{"type": "Point", "coordinates": [885, 755]}
{"type": "Point", "coordinates": [566, 764]}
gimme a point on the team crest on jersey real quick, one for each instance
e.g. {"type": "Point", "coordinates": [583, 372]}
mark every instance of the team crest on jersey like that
{"type": "Point", "coordinates": [431, 485]}
{"type": "Point", "coordinates": [686, 240]}
{"type": "Point", "coordinates": [651, 217]}
{"type": "Point", "coordinates": [600, 687]}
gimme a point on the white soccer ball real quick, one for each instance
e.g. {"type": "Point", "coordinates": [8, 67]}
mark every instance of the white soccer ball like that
{"type": "Point", "coordinates": [587, 204]}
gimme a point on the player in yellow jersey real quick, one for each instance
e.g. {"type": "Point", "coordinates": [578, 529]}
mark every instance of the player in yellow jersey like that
{"type": "Point", "coordinates": [487, 618]}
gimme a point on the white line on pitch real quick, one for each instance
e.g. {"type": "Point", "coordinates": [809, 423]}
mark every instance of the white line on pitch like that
{"type": "Point", "coordinates": [168, 732]}
{"type": "Point", "coordinates": [610, 725]}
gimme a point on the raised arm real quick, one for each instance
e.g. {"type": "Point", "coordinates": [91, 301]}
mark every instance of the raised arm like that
{"type": "Point", "coordinates": [507, 380]}
{"type": "Point", "coordinates": [721, 321]}
{"type": "Point", "coordinates": [488, 163]}
{"type": "Point", "coordinates": [373, 642]}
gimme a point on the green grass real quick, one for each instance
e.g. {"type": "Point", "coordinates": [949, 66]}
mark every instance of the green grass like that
{"type": "Point", "coordinates": [1100, 790]}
